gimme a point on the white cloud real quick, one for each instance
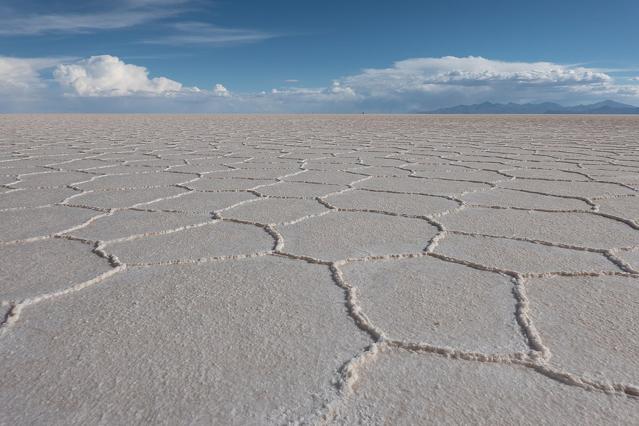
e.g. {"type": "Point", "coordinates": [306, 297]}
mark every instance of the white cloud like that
{"type": "Point", "coordinates": [17, 74]}
{"type": "Point", "coordinates": [22, 85]}
{"type": "Point", "coordinates": [107, 75]}
{"type": "Point", "coordinates": [335, 98]}
{"type": "Point", "coordinates": [106, 83]}
{"type": "Point", "coordinates": [220, 90]}
{"type": "Point", "coordinates": [338, 89]}
{"type": "Point", "coordinates": [335, 92]}
{"type": "Point", "coordinates": [423, 73]}
{"type": "Point", "coordinates": [23, 74]}
{"type": "Point", "coordinates": [424, 83]}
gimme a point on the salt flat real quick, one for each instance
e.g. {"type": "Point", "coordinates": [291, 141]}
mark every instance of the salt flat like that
{"type": "Point", "coordinates": [319, 269]}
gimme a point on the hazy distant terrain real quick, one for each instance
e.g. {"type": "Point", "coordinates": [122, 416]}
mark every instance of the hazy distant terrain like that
{"type": "Point", "coordinates": [604, 107]}
{"type": "Point", "coordinates": [307, 269]}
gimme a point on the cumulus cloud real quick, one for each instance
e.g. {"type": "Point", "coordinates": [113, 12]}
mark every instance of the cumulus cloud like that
{"type": "Point", "coordinates": [424, 73]}
{"type": "Point", "coordinates": [107, 75]}
{"type": "Point", "coordinates": [106, 83]}
{"type": "Point", "coordinates": [422, 83]}
{"type": "Point", "coordinates": [220, 90]}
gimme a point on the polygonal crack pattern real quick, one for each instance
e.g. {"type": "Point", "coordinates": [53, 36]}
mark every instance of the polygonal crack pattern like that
{"type": "Point", "coordinates": [271, 270]}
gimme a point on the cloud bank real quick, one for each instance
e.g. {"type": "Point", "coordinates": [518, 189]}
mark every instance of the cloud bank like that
{"type": "Point", "coordinates": [426, 83]}
{"type": "Point", "coordinates": [411, 85]}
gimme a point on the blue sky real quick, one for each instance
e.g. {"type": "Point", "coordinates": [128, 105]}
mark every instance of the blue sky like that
{"type": "Point", "coordinates": [312, 56]}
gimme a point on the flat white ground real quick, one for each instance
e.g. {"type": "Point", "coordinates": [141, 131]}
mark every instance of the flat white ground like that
{"type": "Point", "coordinates": [319, 269]}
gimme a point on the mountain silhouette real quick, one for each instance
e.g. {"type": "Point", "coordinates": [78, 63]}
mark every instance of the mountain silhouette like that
{"type": "Point", "coordinates": [603, 107]}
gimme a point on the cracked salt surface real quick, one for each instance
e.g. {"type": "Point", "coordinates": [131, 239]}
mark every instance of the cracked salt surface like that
{"type": "Point", "coordinates": [273, 270]}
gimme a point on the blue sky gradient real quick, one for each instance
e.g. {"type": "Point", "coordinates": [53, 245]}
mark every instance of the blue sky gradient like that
{"type": "Point", "coordinates": [304, 56]}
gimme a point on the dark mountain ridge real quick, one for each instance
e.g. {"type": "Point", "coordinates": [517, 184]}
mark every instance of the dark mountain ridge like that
{"type": "Point", "coordinates": [603, 107]}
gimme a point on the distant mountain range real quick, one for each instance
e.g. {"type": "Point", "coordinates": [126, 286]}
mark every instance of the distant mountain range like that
{"type": "Point", "coordinates": [604, 107]}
